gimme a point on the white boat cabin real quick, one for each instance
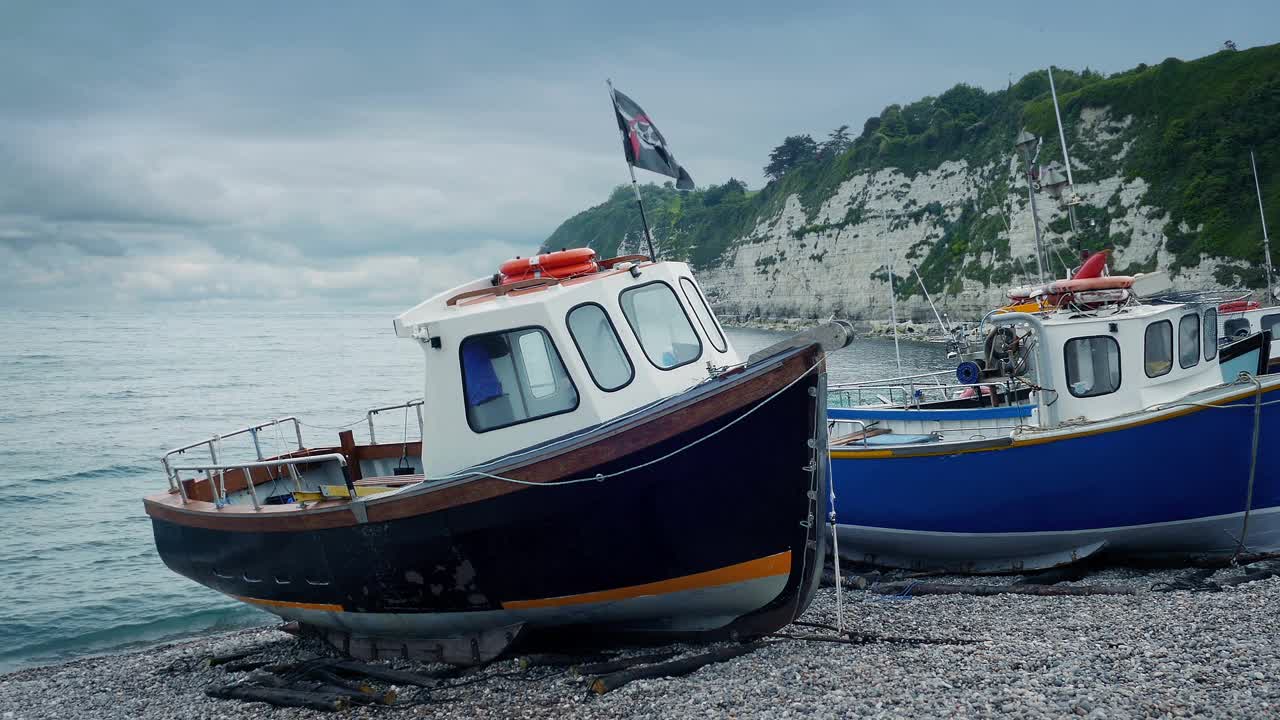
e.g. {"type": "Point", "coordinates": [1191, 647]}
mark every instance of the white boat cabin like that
{"type": "Point", "coordinates": [1108, 364]}
{"type": "Point", "coordinates": [1081, 367]}
{"type": "Point", "coordinates": [510, 364]}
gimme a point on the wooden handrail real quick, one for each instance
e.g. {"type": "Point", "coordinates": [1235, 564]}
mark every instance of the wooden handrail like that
{"type": "Point", "coordinates": [500, 290]}
{"type": "Point", "coordinates": [609, 263]}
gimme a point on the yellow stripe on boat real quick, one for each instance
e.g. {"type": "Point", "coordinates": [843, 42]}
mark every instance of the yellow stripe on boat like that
{"type": "Point", "coordinates": [764, 567]}
{"type": "Point", "coordinates": [289, 604]}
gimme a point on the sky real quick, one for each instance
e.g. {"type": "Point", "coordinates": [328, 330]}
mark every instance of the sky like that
{"type": "Point", "coordinates": [290, 154]}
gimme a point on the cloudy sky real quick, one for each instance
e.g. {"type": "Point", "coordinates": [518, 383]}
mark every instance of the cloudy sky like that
{"type": "Point", "coordinates": [174, 152]}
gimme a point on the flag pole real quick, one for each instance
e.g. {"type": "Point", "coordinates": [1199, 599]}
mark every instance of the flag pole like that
{"type": "Point", "coordinates": [644, 220]}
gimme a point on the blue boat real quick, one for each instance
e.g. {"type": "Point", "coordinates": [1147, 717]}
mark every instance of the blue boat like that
{"type": "Point", "coordinates": [1138, 437]}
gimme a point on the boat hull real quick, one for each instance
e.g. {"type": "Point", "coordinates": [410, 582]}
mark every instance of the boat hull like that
{"type": "Point", "coordinates": [714, 541]}
{"type": "Point", "coordinates": [1169, 485]}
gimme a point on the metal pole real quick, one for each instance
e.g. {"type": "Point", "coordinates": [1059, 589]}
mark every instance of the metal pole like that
{"type": "Point", "coordinates": [369, 417]}
{"type": "Point", "coordinates": [644, 220]}
{"type": "Point", "coordinates": [297, 430]}
{"type": "Point", "coordinates": [928, 299]}
{"type": "Point", "coordinates": [253, 492]}
{"type": "Point", "coordinates": [1035, 216]}
{"type": "Point", "coordinates": [1266, 241]}
{"type": "Point", "coordinates": [293, 473]}
{"type": "Point", "coordinates": [1066, 160]}
{"type": "Point", "coordinates": [421, 431]}
{"type": "Point", "coordinates": [257, 449]}
{"type": "Point", "coordinates": [1062, 136]}
{"type": "Point", "coordinates": [893, 315]}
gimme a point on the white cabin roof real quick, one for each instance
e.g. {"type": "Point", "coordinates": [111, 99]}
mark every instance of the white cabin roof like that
{"type": "Point", "coordinates": [458, 433]}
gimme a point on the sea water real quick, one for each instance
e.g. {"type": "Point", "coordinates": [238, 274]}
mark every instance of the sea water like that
{"type": "Point", "coordinates": [89, 402]}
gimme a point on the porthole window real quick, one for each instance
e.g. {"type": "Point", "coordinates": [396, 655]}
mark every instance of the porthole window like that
{"type": "Point", "coordinates": [660, 324]}
{"type": "Point", "coordinates": [703, 313]}
{"type": "Point", "coordinates": [1158, 349]}
{"type": "Point", "coordinates": [1189, 341]}
{"type": "Point", "coordinates": [1210, 333]}
{"type": "Point", "coordinates": [513, 377]}
{"type": "Point", "coordinates": [1093, 366]}
{"type": "Point", "coordinates": [601, 349]}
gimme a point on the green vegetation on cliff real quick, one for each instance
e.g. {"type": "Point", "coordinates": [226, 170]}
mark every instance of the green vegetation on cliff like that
{"type": "Point", "coordinates": [1193, 126]}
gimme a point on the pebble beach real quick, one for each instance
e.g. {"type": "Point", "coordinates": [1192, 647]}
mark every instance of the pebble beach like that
{"type": "Point", "coordinates": [1148, 654]}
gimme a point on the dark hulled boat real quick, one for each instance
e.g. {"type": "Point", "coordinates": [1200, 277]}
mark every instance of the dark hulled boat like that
{"type": "Point", "coordinates": [598, 460]}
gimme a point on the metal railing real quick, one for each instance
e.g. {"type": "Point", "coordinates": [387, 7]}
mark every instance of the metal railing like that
{"type": "Point", "coordinates": [903, 389]}
{"type": "Point", "coordinates": [215, 464]}
{"type": "Point", "coordinates": [912, 390]}
{"type": "Point", "coordinates": [246, 468]}
{"type": "Point", "coordinates": [216, 440]}
{"type": "Point", "coordinates": [416, 404]}
{"type": "Point", "coordinates": [835, 423]}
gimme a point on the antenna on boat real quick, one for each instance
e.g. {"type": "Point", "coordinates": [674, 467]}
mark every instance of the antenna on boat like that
{"type": "Point", "coordinates": [893, 315]}
{"type": "Point", "coordinates": [1025, 142]}
{"type": "Point", "coordinates": [1072, 199]}
{"type": "Point", "coordinates": [1266, 241]}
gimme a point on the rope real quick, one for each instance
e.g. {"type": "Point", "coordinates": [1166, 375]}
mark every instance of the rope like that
{"type": "Point", "coordinates": [1253, 465]}
{"type": "Point", "coordinates": [600, 477]}
{"type": "Point", "coordinates": [835, 546]}
{"type": "Point", "coordinates": [404, 449]}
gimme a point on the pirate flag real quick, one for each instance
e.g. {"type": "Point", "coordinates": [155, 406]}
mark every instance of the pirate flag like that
{"type": "Point", "coordinates": [644, 145]}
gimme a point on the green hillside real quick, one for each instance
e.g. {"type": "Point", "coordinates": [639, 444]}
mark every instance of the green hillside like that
{"type": "Point", "coordinates": [1194, 124]}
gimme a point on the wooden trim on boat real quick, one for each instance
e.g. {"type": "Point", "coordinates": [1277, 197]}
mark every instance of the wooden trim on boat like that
{"type": "Point", "coordinates": [592, 449]}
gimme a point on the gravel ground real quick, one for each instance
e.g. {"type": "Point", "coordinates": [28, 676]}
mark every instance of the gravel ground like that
{"type": "Point", "coordinates": [1175, 654]}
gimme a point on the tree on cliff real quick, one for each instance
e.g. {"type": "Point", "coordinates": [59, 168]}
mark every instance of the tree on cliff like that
{"type": "Point", "coordinates": [794, 151]}
{"type": "Point", "coordinates": [837, 142]}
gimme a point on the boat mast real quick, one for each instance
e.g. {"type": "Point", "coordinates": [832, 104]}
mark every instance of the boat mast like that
{"type": "Point", "coordinates": [1266, 241]}
{"type": "Point", "coordinates": [1024, 142]}
{"type": "Point", "coordinates": [928, 299]}
{"type": "Point", "coordinates": [893, 315]}
{"type": "Point", "coordinates": [1066, 160]}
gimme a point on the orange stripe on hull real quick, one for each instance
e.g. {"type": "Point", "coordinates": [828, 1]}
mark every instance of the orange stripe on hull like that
{"type": "Point", "coordinates": [764, 567]}
{"type": "Point", "coordinates": [288, 604]}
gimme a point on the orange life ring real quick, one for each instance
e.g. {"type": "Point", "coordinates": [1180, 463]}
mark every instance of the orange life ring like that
{"type": "Point", "coordinates": [560, 265]}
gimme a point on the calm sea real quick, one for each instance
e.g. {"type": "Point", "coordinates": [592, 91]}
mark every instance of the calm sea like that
{"type": "Point", "coordinates": [90, 401]}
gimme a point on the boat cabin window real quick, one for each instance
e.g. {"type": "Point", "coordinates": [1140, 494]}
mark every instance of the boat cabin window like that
{"type": "Point", "coordinates": [705, 318]}
{"type": "Point", "coordinates": [661, 325]}
{"type": "Point", "coordinates": [1189, 341]}
{"type": "Point", "coordinates": [1093, 366]}
{"type": "Point", "coordinates": [601, 349]}
{"type": "Point", "coordinates": [1210, 333]}
{"type": "Point", "coordinates": [1236, 328]}
{"type": "Point", "coordinates": [513, 377]}
{"type": "Point", "coordinates": [1269, 322]}
{"type": "Point", "coordinates": [1159, 348]}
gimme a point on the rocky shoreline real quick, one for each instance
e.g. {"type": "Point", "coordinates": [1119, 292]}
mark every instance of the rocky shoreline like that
{"type": "Point", "coordinates": [1147, 654]}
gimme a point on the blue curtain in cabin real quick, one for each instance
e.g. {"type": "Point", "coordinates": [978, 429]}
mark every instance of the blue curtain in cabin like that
{"type": "Point", "coordinates": [482, 383]}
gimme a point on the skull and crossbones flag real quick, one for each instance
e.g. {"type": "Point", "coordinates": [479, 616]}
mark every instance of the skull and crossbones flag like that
{"type": "Point", "coordinates": [644, 145]}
